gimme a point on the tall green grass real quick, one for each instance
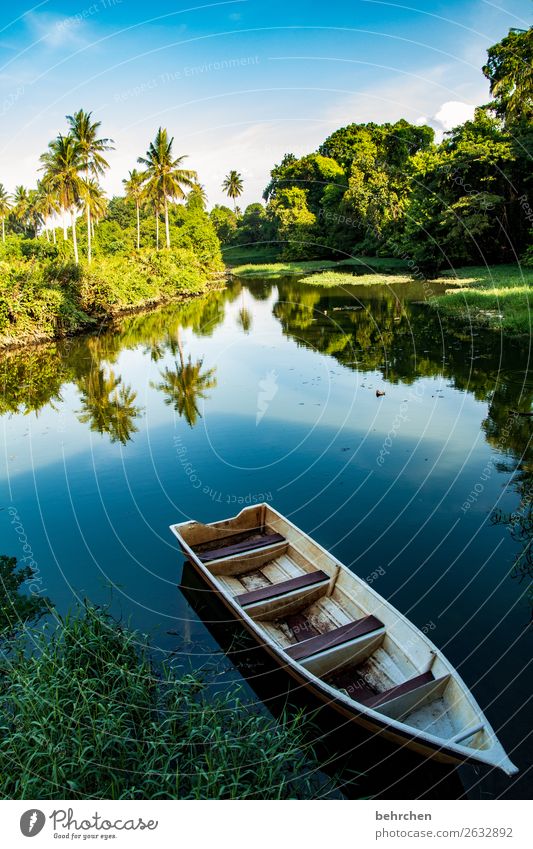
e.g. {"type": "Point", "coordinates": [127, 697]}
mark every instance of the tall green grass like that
{"type": "Point", "coordinates": [84, 714]}
{"type": "Point", "coordinates": [498, 297]}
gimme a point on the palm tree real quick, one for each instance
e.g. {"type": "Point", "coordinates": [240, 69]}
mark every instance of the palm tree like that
{"type": "Point", "coordinates": [85, 132]}
{"type": "Point", "coordinates": [5, 208]}
{"type": "Point", "coordinates": [46, 205]}
{"type": "Point", "coordinates": [134, 192]}
{"type": "Point", "coordinates": [34, 214]}
{"type": "Point", "coordinates": [21, 204]}
{"type": "Point", "coordinates": [197, 197]}
{"type": "Point", "coordinates": [164, 175]}
{"type": "Point", "coordinates": [233, 186]}
{"type": "Point", "coordinates": [95, 203]}
{"type": "Point", "coordinates": [62, 164]}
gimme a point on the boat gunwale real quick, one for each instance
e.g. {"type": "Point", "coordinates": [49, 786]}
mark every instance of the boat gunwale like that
{"type": "Point", "coordinates": [457, 751]}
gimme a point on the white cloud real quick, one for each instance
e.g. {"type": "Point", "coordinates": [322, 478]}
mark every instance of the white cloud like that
{"type": "Point", "coordinates": [449, 115]}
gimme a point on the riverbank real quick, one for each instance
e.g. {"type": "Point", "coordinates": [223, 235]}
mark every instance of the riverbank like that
{"type": "Point", "coordinates": [496, 298]}
{"type": "Point", "coordinates": [114, 724]}
{"type": "Point", "coordinates": [256, 267]}
{"type": "Point", "coordinates": [43, 300]}
{"type": "Point", "coordinates": [493, 297]}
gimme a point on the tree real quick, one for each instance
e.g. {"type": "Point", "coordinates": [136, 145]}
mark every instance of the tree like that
{"type": "Point", "coordinates": [5, 209]}
{"type": "Point", "coordinates": [233, 186]}
{"type": "Point", "coordinates": [46, 205]}
{"type": "Point", "coordinates": [509, 69]}
{"type": "Point", "coordinates": [295, 222]}
{"type": "Point", "coordinates": [85, 132]}
{"type": "Point", "coordinates": [165, 177]}
{"type": "Point", "coordinates": [34, 215]}
{"type": "Point", "coordinates": [224, 221]}
{"type": "Point", "coordinates": [133, 186]}
{"type": "Point", "coordinates": [197, 197]}
{"type": "Point", "coordinates": [463, 207]}
{"type": "Point", "coordinates": [21, 205]}
{"type": "Point", "coordinates": [62, 164]}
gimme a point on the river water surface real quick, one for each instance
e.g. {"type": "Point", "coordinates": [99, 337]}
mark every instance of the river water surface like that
{"type": "Point", "coordinates": [266, 391]}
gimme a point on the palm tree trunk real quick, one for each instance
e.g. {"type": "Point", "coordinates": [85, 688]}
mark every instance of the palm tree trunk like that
{"type": "Point", "coordinates": [54, 235]}
{"type": "Point", "coordinates": [64, 215]}
{"type": "Point", "coordinates": [138, 226]}
{"type": "Point", "coordinates": [74, 236]}
{"type": "Point", "coordinates": [3, 230]}
{"type": "Point", "coordinates": [157, 230]}
{"type": "Point", "coordinates": [167, 231]}
{"type": "Point", "coordinates": [89, 235]}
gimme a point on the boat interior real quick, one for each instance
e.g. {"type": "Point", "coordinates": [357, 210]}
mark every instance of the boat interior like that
{"type": "Point", "coordinates": [326, 619]}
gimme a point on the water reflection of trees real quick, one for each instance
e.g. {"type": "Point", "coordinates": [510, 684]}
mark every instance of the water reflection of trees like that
{"type": "Point", "coordinates": [186, 383]}
{"type": "Point", "coordinates": [107, 405]}
{"type": "Point", "coordinates": [403, 341]}
{"type": "Point", "coordinates": [32, 379]}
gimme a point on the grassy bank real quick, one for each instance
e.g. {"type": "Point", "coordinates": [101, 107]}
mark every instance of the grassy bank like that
{"type": "Point", "coordinates": [498, 298]}
{"type": "Point", "coordinates": [254, 268]}
{"type": "Point", "coordinates": [85, 713]}
{"type": "Point", "coordinates": [43, 298]}
{"type": "Point", "coordinates": [340, 278]}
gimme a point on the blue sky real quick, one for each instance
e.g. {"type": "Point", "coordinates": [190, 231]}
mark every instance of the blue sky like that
{"type": "Point", "coordinates": [237, 83]}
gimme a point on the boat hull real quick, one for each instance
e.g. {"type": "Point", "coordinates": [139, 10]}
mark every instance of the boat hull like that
{"type": "Point", "coordinates": [285, 571]}
{"type": "Point", "coordinates": [423, 748]}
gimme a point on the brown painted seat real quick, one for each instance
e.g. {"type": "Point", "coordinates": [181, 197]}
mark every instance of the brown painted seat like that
{"type": "Point", "coordinates": [393, 692]}
{"type": "Point", "coordinates": [308, 579]}
{"type": "Point", "coordinates": [334, 638]}
{"type": "Point", "coordinates": [227, 546]}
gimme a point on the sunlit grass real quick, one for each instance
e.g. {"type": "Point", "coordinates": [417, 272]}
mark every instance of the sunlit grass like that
{"type": "Point", "coordinates": [499, 297]}
{"type": "Point", "coordinates": [339, 278]}
{"type": "Point", "coordinates": [506, 308]}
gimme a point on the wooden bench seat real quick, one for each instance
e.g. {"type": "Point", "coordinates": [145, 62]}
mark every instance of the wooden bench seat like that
{"type": "Point", "coordinates": [308, 579]}
{"type": "Point", "coordinates": [393, 692]}
{"type": "Point", "coordinates": [337, 637]}
{"type": "Point", "coordinates": [230, 548]}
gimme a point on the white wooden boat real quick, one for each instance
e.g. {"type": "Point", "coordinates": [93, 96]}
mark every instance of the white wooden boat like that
{"type": "Point", "coordinates": [336, 636]}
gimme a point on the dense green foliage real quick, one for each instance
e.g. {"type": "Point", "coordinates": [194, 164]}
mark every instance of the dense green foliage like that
{"type": "Point", "coordinates": [49, 284]}
{"type": "Point", "coordinates": [44, 294]}
{"type": "Point", "coordinates": [390, 190]}
{"type": "Point", "coordinates": [85, 714]}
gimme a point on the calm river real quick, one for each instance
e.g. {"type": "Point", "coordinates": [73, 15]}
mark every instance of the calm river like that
{"type": "Point", "coordinates": [266, 391]}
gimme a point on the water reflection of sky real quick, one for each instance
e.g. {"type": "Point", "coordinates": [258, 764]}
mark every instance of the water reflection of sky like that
{"type": "Point", "coordinates": [96, 513]}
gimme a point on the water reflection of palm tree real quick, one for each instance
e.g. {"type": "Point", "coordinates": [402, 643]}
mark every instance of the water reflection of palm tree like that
{"type": "Point", "coordinates": [186, 383]}
{"type": "Point", "coordinates": [244, 319]}
{"type": "Point", "coordinates": [108, 405]}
